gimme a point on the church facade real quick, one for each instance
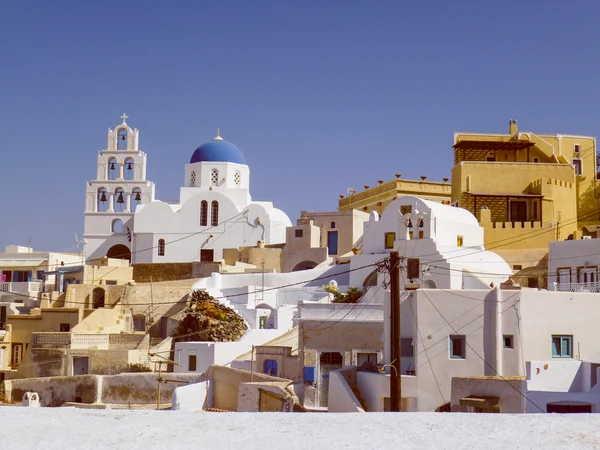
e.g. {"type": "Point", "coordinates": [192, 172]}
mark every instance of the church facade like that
{"type": "Point", "coordinates": [214, 211]}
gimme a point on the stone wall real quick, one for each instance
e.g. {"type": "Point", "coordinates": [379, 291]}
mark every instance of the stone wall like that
{"type": "Point", "coordinates": [54, 391]}
{"type": "Point", "coordinates": [134, 388]}
{"type": "Point", "coordinates": [142, 272]}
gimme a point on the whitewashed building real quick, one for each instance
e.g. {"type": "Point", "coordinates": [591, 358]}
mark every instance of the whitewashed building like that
{"type": "Point", "coordinates": [573, 265]}
{"type": "Point", "coordinates": [448, 242]}
{"type": "Point", "coordinates": [215, 211]}
{"type": "Point", "coordinates": [268, 302]}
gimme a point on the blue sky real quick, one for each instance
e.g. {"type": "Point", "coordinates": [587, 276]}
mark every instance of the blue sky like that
{"type": "Point", "coordinates": [319, 96]}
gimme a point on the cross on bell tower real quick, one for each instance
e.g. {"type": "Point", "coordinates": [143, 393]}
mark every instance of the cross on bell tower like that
{"type": "Point", "coordinates": [124, 116]}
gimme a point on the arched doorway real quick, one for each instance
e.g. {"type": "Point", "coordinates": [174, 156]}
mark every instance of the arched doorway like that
{"type": "Point", "coordinates": [304, 265]}
{"type": "Point", "coordinates": [119, 251]}
{"type": "Point", "coordinates": [98, 298]}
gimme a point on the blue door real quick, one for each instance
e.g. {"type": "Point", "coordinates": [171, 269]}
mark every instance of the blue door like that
{"type": "Point", "coordinates": [332, 242]}
{"type": "Point", "coordinates": [270, 367]}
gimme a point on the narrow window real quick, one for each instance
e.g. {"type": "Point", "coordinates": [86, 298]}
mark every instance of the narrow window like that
{"type": "Point", "coordinates": [332, 225]}
{"type": "Point", "coordinates": [457, 347]}
{"type": "Point", "coordinates": [214, 177]}
{"type": "Point", "coordinates": [214, 213]}
{"type": "Point", "coordinates": [508, 341]}
{"type": "Point", "coordinates": [237, 178]}
{"type": "Point", "coordinates": [298, 233]}
{"type": "Point", "coordinates": [191, 363]}
{"type": "Point", "coordinates": [578, 166]}
{"type": "Point", "coordinates": [390, 238]}
{"type": "Point", "coordinates": [459, 241]}
{"type": "Point", "coordinates": [562, 346]}
{"type": "Point", "coordinates": [576, 148]}
{"type": "Point", "coordinates": [536, 159]}
{"type": "Point", "coordinates": [161, 247]}
{"type": "Point", "coordinates": [193, 178]}
{"type": "Point", "coordinates": [17, 354]}
{"type": "Point", "coordinates": [203, 213]}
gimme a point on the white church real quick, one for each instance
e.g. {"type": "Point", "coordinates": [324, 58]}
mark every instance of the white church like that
{"type": "Point", "coordinates": [214, 211]}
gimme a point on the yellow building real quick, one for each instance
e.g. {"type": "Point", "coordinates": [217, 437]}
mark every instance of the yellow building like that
{"type": "Point", "coordinates": [526, 189]}
{"type": "Point", "coordinates": [376, 198]}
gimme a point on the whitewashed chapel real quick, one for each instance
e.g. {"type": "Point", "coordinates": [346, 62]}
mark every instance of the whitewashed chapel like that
{"type": "Point", "coordinates": [214, 211]}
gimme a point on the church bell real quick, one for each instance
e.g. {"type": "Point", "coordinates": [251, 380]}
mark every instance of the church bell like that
{"type": "Point", "coordinates": [129, 166]}
{"type": "Point", "coordinates": [112, 166]}
{"type": "Point", "coordinates": [123, 138]}
{"type": "Point", "coordinates": [137, 196]}
{"type": "Point", "coordinates": [120, 198]}
{"type": "Point", "coordinates": [409, 224]}
{"type": "Point", "coordinates": [103, 197]}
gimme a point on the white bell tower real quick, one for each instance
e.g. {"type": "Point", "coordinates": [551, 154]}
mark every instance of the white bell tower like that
{"type": "Point", "coordinates": [111, 199]}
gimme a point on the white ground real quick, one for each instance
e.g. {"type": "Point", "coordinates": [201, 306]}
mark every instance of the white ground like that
{"type": "Point", "coordinates": [69, 428]}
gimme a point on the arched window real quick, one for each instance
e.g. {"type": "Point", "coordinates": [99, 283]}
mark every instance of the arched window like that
{"type": "Point", "coordinates": [214, 177]}
{"type": "Point", "coordinates": [203, 213]}
{"type": "Point", "coordinates": [102, 200]}
{"type": "Point", "coordinates": [117, 226]}
{"type": "Point", "coordinates": [113, 169]}
{"type": "Point", "coordinates": [161, 247]}
{"type": "Point", "coordinates": [119, 200]}
{"type": "Point", "coordinates": [237, 178]}
{"type": "Point", "coordinates": [128, 169]}
{"type": "Point", "coordinates": [193, 178]}
{"type": "Point", "coordinates": [122, 139]}
{"type": "Point", "coordinates": [136, 198]}
{"type": "Point", "coordinates": [214, 213]}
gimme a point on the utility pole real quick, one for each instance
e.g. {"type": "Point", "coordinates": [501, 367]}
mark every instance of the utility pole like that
{"type": "Point", "coordinates": [395, 374]}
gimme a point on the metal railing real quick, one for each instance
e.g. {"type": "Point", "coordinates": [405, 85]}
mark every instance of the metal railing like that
{"type": "Point", "coordinates": [577, 287]}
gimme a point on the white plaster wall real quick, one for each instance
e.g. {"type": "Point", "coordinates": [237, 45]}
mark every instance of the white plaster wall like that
{"type": "Point", "coordinates": [558, 376]}
{"type": "Point", "coordinates": [341, 397]}
{"type": "Point", "coordinates": [191, 397]}
{"type": "Point", "coordinates": [160, 221]}
{"type": "Point", "coordinates": [559, 313]}
{"type": "Point", "coordinates": [221, 353]}
{"type": "Point", "coordinates": [374, 387]}
{"type": "Point", "coordinates": [541, 399]}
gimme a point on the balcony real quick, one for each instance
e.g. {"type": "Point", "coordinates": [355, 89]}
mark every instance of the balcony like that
{"type": "Point", "coordinates": [87, 341]}
{"type": "Point", "coordinates": [25, 288]}
{"type": "Point", "coordinates": [577, 287]}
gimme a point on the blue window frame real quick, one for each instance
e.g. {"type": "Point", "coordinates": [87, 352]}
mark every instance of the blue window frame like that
{"type": "Point", "coordinates": [457, 347]}
{"type": "Point", "coordinates": [562, 346]}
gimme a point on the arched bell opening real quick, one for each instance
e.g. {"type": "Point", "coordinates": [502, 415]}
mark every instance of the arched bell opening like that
{"type": "Point", "coordinates": [129, 169]}
{"type": "Point", "coordinates": [136, 198]}
{"type": "Point", "coordinates": [113, 169]}
{"type": "Point", "coordinates": [119, 200]}
{"type": "Point", "coordinates": [102, 200]}
{"type": "Point", "coordinates": [122, 139]}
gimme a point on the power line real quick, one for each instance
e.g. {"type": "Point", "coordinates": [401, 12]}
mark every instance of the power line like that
{"type": "Point", "coordinates": [478, 355]}
{"type": "Point", "coordinates": [323, 277]}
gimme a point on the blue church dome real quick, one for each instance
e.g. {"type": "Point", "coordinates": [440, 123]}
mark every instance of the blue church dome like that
{"type": "Point", "coordinates": [218, 150]}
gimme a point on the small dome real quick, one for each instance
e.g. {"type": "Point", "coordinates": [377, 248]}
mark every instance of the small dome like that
{"type": "Point", "coordinates": [218, 150]}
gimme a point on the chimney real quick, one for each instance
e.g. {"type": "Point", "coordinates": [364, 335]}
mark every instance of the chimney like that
{"type": "Point", "coordinates": [513, 128]}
